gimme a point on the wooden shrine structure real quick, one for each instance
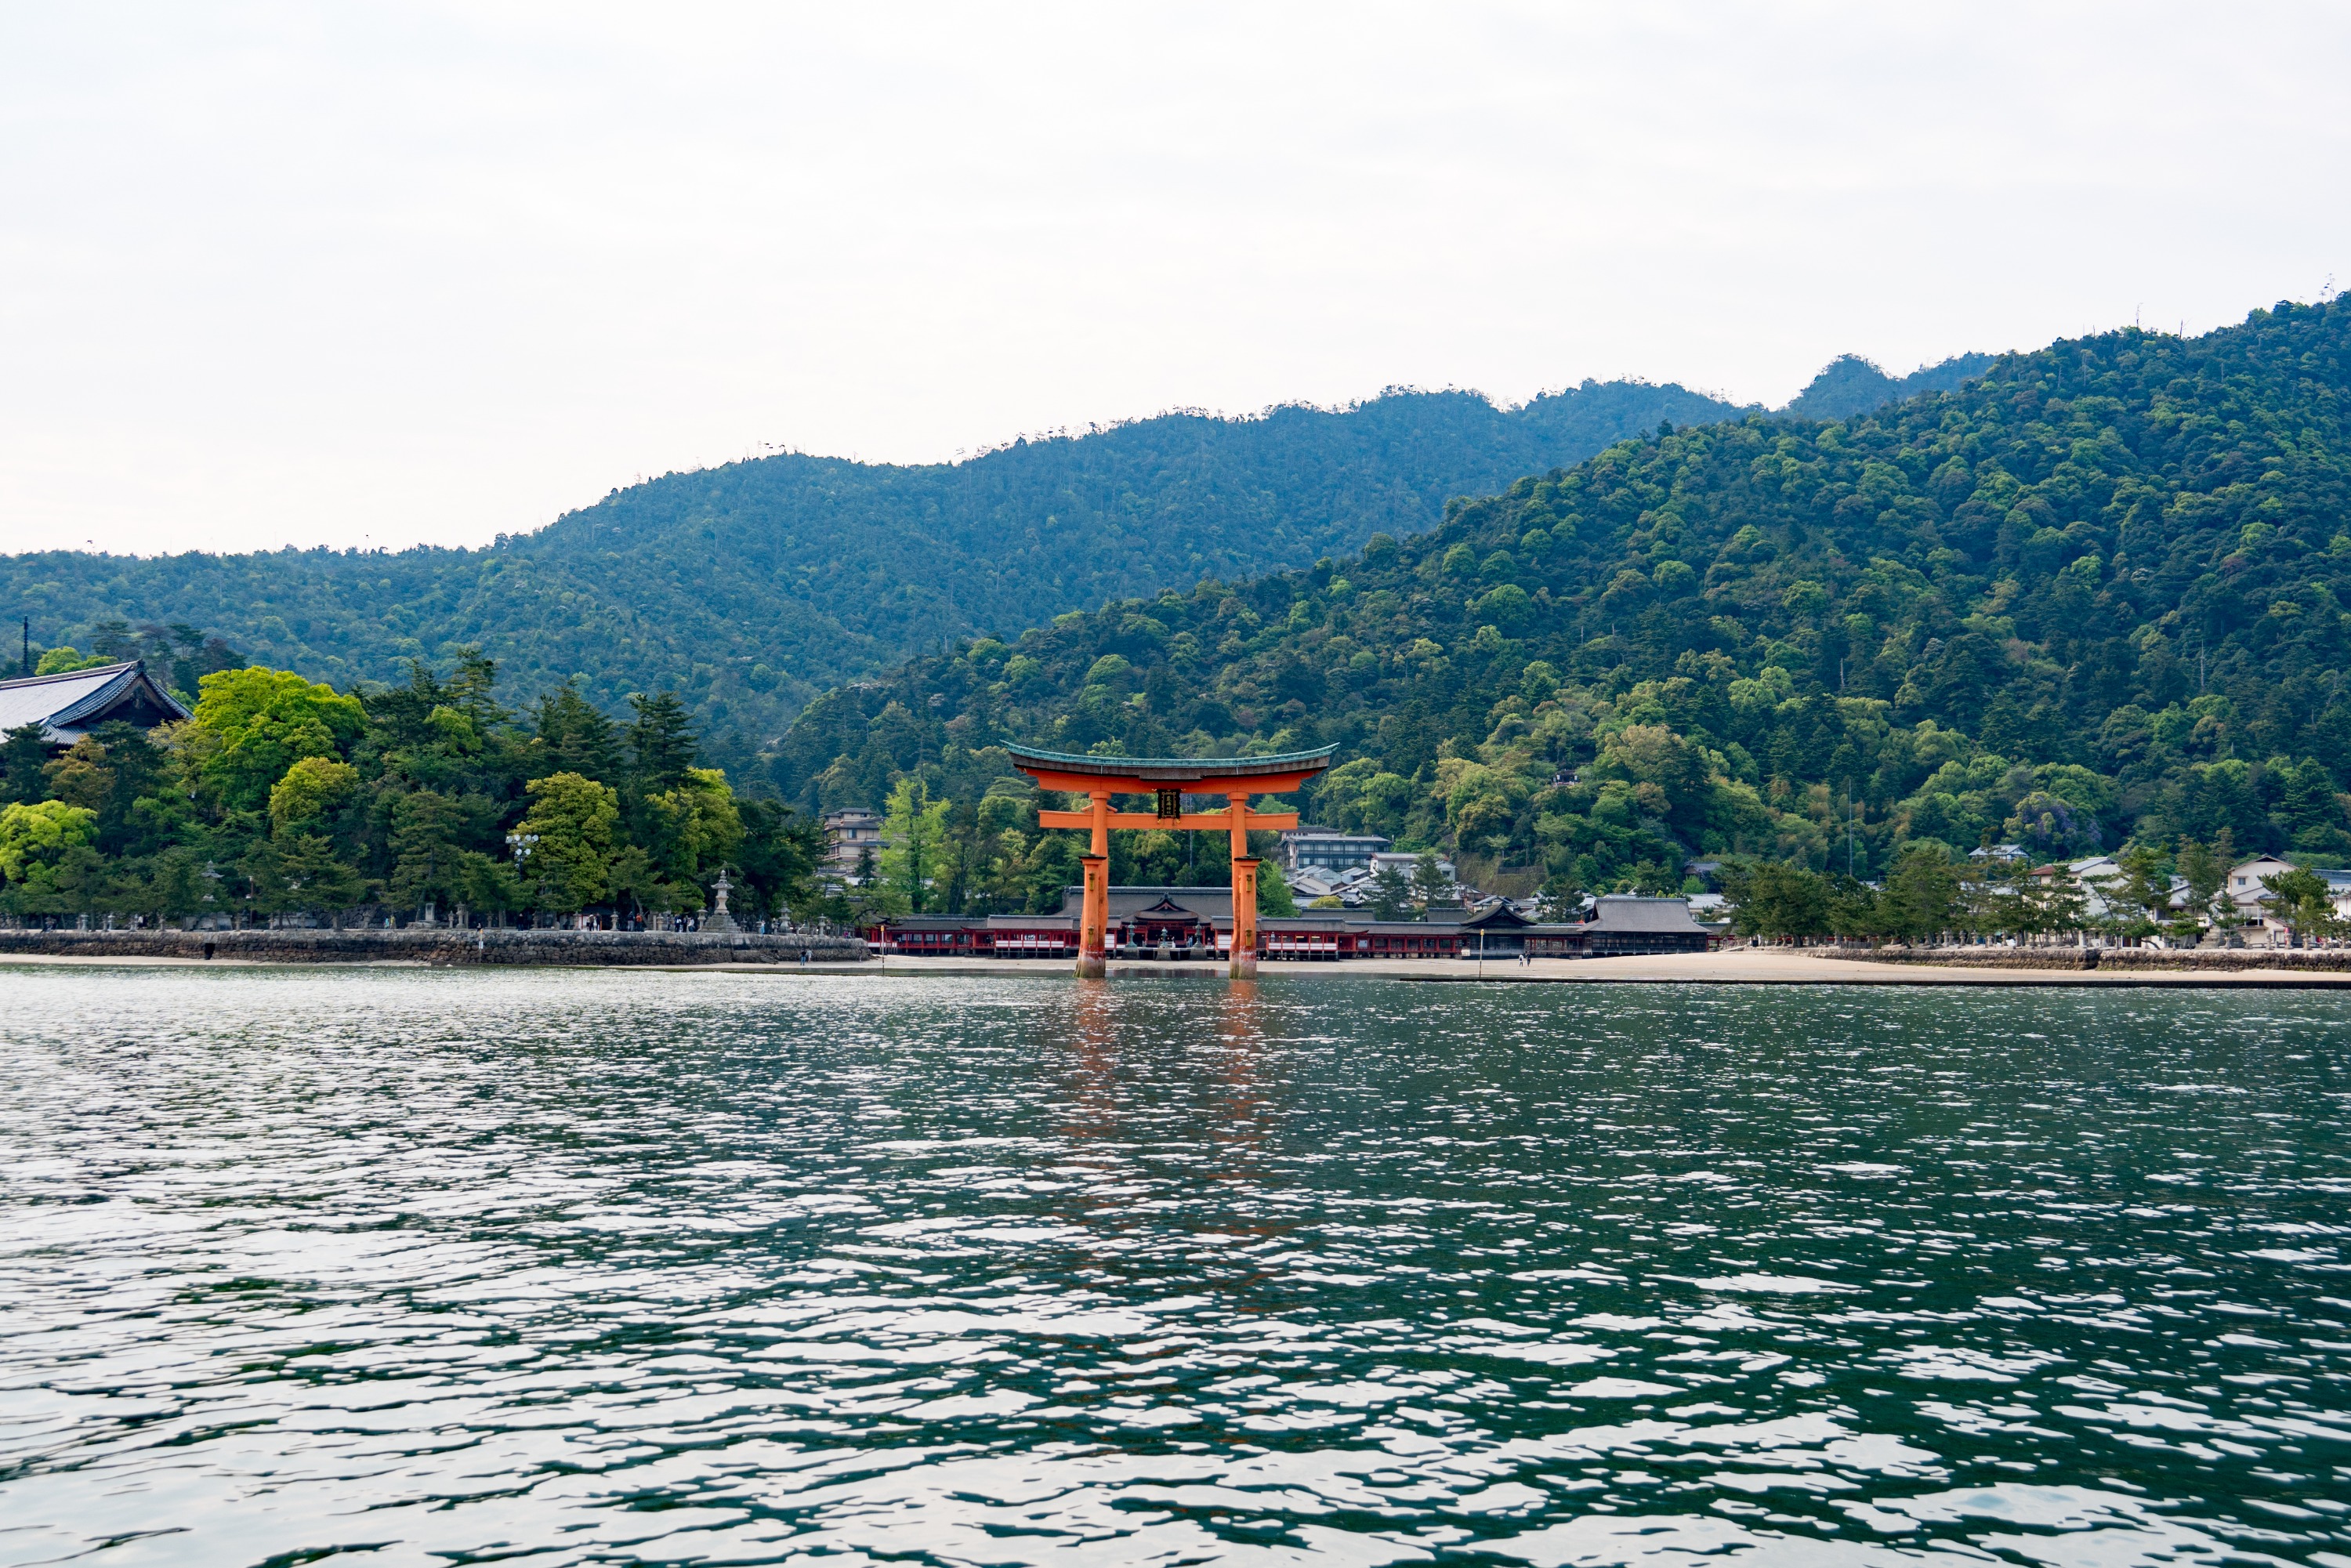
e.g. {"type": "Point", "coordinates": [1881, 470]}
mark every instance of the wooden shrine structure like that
{"type": "Point", "coordinates": [1167, 779]}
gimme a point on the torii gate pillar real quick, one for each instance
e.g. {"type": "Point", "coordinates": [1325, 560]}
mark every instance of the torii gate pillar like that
{"type": "Point", "coordinates": [1169, 778]}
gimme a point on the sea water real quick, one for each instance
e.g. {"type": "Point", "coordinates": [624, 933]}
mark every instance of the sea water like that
{"type": "Point", "coordinates": [440, 1267]}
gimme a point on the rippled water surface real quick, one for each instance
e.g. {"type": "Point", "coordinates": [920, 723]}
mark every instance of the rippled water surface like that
{"type": "Point", "coordinates": [607, 1268]}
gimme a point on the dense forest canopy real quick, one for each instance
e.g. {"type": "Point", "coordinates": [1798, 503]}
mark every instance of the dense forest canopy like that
{"type": "Point", "coordinates": [2099, 594]}
{"type": "Point", "coordinates": [750, 586]}
{"type": "Point", "coordinates": [1850, 384]}
{"type": "Point", "coordinates": [282, 796]}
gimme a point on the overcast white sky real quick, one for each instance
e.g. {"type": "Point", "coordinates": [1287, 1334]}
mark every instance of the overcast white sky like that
{"type": "Point", "coordinates": [355, 275]}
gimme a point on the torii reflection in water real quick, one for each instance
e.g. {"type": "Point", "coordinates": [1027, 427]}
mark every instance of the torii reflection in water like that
{"type": "Point", "coordinates": [1233, 1117]}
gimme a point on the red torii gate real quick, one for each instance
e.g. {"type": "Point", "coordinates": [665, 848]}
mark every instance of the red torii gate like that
{"type": "Point", "coordinates": [1169, 779]}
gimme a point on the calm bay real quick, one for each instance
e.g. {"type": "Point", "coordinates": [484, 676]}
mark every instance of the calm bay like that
{"type": "Point", "coordinates": [612, 1267]}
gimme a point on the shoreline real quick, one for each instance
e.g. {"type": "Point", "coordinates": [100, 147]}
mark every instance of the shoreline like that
{"type": "Point", "coordinates": [779, 957]}
{"type": "Point", "coordinates": [436, 948]}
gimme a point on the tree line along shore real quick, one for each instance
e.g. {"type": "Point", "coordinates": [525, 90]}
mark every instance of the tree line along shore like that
{"type": "Point", "coordinates": [2093, 599]}
{"type": "Point", "coordinates": [280, 796]}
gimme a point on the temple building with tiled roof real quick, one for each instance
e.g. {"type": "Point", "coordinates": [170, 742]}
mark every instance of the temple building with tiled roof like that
{"type": "Point", "coordinates": [70, 705]}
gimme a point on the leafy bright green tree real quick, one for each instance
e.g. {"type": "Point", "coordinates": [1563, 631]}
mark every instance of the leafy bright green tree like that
{"type": "Point", "coordinates": [65, 661]}
{"type": "Point", "coordinates": [573, 820]}
{"type": "Point", "coordinates": [1273, 895]}
{"type": "Point", "coordinates": [308, 790]}
{"type": "Point", "coordinates": [260, 722]}
{"type": "Point", "coordinates": [2303, 903]}
{"type": "Point", "coordinates": [914, 832]}
{"type": "Point", "coordinates": [689, 830]}
{"type": "Point", "coordinates": [38, 837]}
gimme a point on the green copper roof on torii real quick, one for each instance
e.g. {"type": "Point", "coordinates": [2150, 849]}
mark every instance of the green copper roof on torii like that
{"type": "Point", "coordinates": [1175, 769]}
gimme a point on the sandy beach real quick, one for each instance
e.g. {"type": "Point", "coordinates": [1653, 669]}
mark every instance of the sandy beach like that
{"type": "Point", "coordinates": [1738, 967]}
{"type": "Point", "coordinates": [1735, 966]}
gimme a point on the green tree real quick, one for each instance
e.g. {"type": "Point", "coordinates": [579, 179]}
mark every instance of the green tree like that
{"type": "Point", "coordinates": [1273, 895]}
{"type": "Point", "coordinates": [572, 820]}
{"type": "Point", "coordinates": [260, 722]}
{"type": "Point", "coordinates": [40, 837]}
{"type": "Point", "coordinates": [308, 790]}
{"type": "Point", "coordinates": [428, 850]}
{"type": "Point", "coordinates": [315, 877]}
{"type": "Point", "coordinates": [914, 832]}
{"type": "Point", "coordinates": [1777, 902]}
{"type": "Point", "coordinates": [177, 890]}
{"type": "Point", "coordinates": [689, 830]}
{"type": "Point", "coordinates": [1391, 897]}
{"type": "Point", "coordinates": [578, 738]}
{"type": "Point", "coordinates": [2206, 873]}
{"type": "Point", "coordinates": [24, 765]}
{"type": "Point", "coordinates": [661, 744]}
{"type": "Point", "coordinates": [1563, 897]}
{"type": "Point", "coordinates": [780, 852]}
{"type": "Point", "coordinates": [1922, 894]}
{"type": "Point", "coordinates": [2303, 901]}
{"type": "Point", "coordinates": [2059, 905]}
{"type": "Point", "coordinates": [65, 661]}
{"type": "Point", "coordinates": [489, 887]}
{"type": "Point", "coordinates": [1431, 888]}
{"type": "Point", "coordinates": [2140, 897]}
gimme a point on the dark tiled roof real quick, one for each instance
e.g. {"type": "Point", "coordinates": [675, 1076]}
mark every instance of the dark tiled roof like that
{"type": "Point", "coordinates": [1622, 912]}
{"type": "Point", "coordinates": [1207, 902]}
{"type": "Point", "coordinates": [70, 705]}
{"type": "Point", "coordinates": [1325, 921]}
{"type": "Point", "coordinates": [1174, 769]}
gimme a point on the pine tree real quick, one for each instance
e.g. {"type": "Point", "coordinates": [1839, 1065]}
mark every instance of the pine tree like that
{"type": "Point", "coordinates": [1391, 893]}
{"type": "Point", "coordinates": [578, 737]}
{"type": "Point", "coordinates": [24, 756]}
{"type": "Point", "coordinates": [661, 743]}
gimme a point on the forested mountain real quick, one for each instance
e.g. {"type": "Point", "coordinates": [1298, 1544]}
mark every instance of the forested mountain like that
{"type": "Point", "coordinates": [2099, 593]}
{"type": "Point", "coordinates": [749, 588]}
{"type": "Point", "coordinates": [1850, 384]}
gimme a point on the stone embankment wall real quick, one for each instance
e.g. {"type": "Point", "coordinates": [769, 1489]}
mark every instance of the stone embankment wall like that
{"type": "Point", "coordinates": [417, 944]}
{"type": "Point", "coordinates": [2217, 961]}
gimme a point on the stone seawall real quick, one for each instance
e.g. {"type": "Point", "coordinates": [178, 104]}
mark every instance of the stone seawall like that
{"type": "Point", "coordinates": [422, 945]}
{"type": "Point", "coordinates": [2216, 961]}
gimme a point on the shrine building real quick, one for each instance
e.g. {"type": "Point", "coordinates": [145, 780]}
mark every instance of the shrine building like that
{"type": "Point", "coordinates": [69, 705]}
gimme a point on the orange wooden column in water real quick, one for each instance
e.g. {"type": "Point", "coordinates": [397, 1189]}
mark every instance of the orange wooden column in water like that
{"type": "Point", "coordinates": [1169, 779]}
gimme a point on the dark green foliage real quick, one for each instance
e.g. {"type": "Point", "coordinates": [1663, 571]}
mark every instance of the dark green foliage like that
{"type": "Point", "coordinates": [23, 755]}
{"type": "Point", "coordinates": [2099, 592]}
{"type": "Point", "coordinates": [578, 738]}
{"type": "Point", "coordinates": [751, 587]}
{"type": "Point", "coordinates": [409, 809]}
{"type": "Point", "coordinates": [1850, 384]}
{"type": "Point", "coordinates": [661, 743]}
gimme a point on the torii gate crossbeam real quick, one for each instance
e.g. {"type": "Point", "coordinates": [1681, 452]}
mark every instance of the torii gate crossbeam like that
{"type": "Point", "coordinates": [1169, 779]}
